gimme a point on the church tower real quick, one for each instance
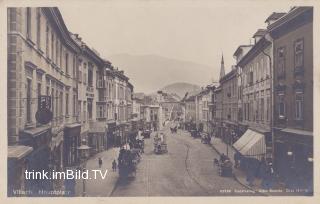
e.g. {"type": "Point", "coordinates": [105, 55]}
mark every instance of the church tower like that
{"type": "Point", "coordinates": [222, 68]}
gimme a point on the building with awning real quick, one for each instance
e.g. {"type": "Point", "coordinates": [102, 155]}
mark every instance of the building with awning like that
{"type": "Point", "coordinates": [251, 144]}
{"type": "Point", "coordinates": [17, 155]}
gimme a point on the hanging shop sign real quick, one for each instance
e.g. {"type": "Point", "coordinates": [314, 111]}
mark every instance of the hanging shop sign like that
{"type": "Point", "coordinates": [44, 114]}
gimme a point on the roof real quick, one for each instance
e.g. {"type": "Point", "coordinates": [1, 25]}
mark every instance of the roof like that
{"type": "Point", "coordinates": [274, 16]}
{"type": "Point", "coordinates": [260, 32]}
{"type": "Point", "coordinates": [229, 75]}
{"type": "Point", "coordinates": [254, 51]}
{"type": "Point", "coordinates": [300, 15]}
{"type": "Point", "coordinates": [240, 48]}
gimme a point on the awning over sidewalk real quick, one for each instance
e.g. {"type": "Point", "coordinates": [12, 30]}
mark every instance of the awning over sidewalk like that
{"type": "Point", "coordinates": [18, 151]}
{"type": "Point", "coordinates": [251, 144]}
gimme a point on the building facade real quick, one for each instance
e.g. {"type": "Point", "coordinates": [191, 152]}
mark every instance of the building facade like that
{"type": "Point", "coordinates": [293, 96]}
{"type": "Point", "coordinates": [60, 92]}
{"type": "Point", "coordinates": [42, 64]}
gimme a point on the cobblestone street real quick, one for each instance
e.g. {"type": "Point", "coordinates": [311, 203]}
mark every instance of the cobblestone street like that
{"type": "Point", "coordinates": [186, 170]}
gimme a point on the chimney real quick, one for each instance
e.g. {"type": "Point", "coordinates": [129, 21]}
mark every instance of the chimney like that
{"type": "Point", "coordinates": [274, 17]}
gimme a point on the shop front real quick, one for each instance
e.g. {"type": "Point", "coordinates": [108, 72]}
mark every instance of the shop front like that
{"type": "Point", "coordinates": [17, 155]}
{"type": "Point", "coordinates": [96, 136]}
{"type": "Point", "coordinates": [39, 139]}
{"type": "Point", "coordinates": [71, 142]}
{"type": "Point", "coordinates": [293, 157]}
{"type": "Point", "coordinates": [111, 134]}
{"type": "Point", "coordinates": [251, 148]}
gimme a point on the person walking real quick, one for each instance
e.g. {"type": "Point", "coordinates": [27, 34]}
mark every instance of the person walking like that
{"type": "Point", "coordinates": [114, 165]}
{"type": "Point", "coordinates": [100, 162]}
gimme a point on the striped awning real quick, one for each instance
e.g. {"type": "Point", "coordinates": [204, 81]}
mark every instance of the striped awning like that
{"type": "Point", "coordinates": [251, 144]}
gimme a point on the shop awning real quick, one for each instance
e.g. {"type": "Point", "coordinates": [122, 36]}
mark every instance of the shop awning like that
{"type": "Point", "coordinates": [297, 132]}
{"type": "Point", "coordinates": [251, 144]}
{"type": "Point", "coordinates": [18, 151]}
{"type": "Point", "coordinates": [34, 132]}
{"type": "Point", "coordinates": [73, 125]}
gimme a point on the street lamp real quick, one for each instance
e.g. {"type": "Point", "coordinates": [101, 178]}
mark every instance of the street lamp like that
{"type": "Point", "coordinates": [83, 149]}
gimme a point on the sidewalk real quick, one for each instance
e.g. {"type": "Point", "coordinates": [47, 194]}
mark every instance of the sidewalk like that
{"type": "Point", "coordinates": [100, 187]}
{"type": "Point", "coordinates": [220, 147]}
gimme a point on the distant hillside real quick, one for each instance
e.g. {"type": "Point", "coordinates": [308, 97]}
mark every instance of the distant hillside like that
{"type": "Point", "coordinates": [148, 73]}
{"type": "Point", "coordinates": [181, 88]}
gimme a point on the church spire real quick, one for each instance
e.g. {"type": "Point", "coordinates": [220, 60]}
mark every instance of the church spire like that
{"type": "Point", "coordinates": [222, 67]}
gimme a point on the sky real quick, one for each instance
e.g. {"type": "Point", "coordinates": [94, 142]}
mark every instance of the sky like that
{"type": "Point", "coordinates": [197, 31]}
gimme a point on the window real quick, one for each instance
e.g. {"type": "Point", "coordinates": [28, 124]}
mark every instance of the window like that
{"type": "Point", "coordinates": [100, 111]}
{"type": "Point", "coordinates": [52, 102]}
{"type": "Point", "coordinates": [74, 67]}
{"type": "Point", "coordinates": [61, 104]}
{"type": "Point", "coordinates": [251, 78]}
{"type": "Point", "coordinates": [38, 91]}
{"type": "Point", "coordinates": [67, 61]}
{"type": "Point", "coordinates": [268, 108]}
{"type": "Point", "coordinates": [47, 40]}
{"type": "Point", "coordinates": [52, 46]}
{"type": "Point", "coordinates": [281, 62]}
{"type": "Point", "coordinates": [90, 109]}
{"type": "Point", "coordinates": [298, 53]}
{"type": "Point", "coordinates": [67, 104]}
{"type": "Point", "coordinates": [57, 51]}
{"type": "Point", "coordinates": [299, 106]}
{"type": "Point", "coordinates": [281, 107]}
{"type": "Point", "coordinates": [29, 98]}
{"type": "Point", "coordinates": [28, 22]}
{"type": "Point", "coordinates": [38, 28]}
{"type": "Point", "coordinates": [262, 109]}
{"type": "Point", "coordinates": [90, 77]}
{"type": "Point", "coordinates": [57, 103]}
{"type": "Point", "coordinates": [74, 104]}
{"type": "Point", "coordinates": [61, 55]}
{"type": "Point", "coordinates": [84, 111]}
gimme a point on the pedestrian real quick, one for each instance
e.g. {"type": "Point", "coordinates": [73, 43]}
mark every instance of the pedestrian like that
{"type": "Point", "coordinates": [223, 157]}
{"type": "Point", "coordinates": [236, 159]}
{"type": "Point", "coordinates": [114, 165]}
{"type": "Point", "coordinates": [100, 162]}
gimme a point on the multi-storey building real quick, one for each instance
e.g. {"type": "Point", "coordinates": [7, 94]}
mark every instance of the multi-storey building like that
{"type": "Point", "coordinates": [92, 96]}
{"type": "Point", "coordinates": [217, 112]}
{"type": "Point", "coordinates": [51, 72]}
{"type": "Point", "coordinates": [256, 90]}
{"type": "Point", "coordinates": [238, 55]}
{"type": "Point", "coordinates": [293, 95]}
{"type": "Point", "coordinates": [42, 64]}
{"type": "Point", "coordinates": [190, 109]}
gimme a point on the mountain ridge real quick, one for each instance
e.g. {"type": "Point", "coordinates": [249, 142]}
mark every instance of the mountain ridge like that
{"type": "Point", "coordinates": [149, 73]}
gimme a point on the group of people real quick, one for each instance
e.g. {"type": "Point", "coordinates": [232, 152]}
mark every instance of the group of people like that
{"type": "Point", "coordinates": [114, 164]}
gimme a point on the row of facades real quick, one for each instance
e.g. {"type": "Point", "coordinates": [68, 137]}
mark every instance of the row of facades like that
{"type": "Point", "coordinates": [264, 105]}
{"type": "Point", "coordinates": [89, 98]}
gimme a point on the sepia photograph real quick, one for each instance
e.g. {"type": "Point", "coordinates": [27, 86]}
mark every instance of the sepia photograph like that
{"type": "Point", "coordinates": [159, 99]}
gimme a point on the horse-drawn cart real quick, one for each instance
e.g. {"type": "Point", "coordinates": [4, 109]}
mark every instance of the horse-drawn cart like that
{"type": "Point", "coordinates": [160, 145]}
{"type": "Point", "coordinates": [127, 162]}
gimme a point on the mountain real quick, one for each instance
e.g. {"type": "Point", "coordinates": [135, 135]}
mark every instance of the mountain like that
{"type": "Point", "coordinates": [149, 72]}
{"type": "Point", "coordinates": [181, 88]}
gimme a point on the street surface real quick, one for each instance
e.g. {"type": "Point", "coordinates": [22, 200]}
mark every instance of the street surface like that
{"type": "Point", "coordinates": [186, 170]}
